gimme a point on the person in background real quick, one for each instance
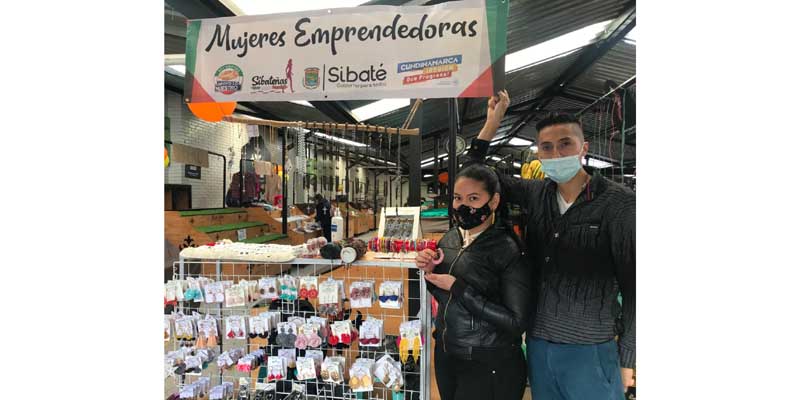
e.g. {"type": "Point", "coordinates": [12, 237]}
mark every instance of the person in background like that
{"type": "Point", "coordinates": [581, 238]}
{"type": "Point", "coordinates": [323, 215]}
{"type": "Point", "coordinates": [483, 290]}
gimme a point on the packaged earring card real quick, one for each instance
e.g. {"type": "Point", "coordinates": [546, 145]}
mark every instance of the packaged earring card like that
{"type": "Point", "coordinates": [288, 286]}
{"type": "Point", "coordinates": [184, 328]}
{"type": "Point", "coordinates": [235, 296]}
{"type": "Point", "coordinates": [289, 356]}
{"type": "Point", "coordinates": [411, 339]}
{"type": "Point", "coordinates": [257, 326]}
{"type": "Point", "coordinates": [389, 372]}
{"type": "Point", "coordinates": [268, 288]}
{"type": "Point", "coordinates": [308, 287]}
{"type": "Point", "coordinates": [390, 294]}
{"type": "Point", "coordinates": [362, 294]}
{"type": "Point", "coordinates": [167, 330]}
{"type": "Point", "coordinates": [306, 368]}
{"type": "Point", "coordinates": [276, 368]}
{"type": "Point", "coordinates": [193, 291]}
{"type": "Point", "coordinates": [361, 375]}
{"type": "Point", "coordinates": [171, 289]}
{"type": "Point", "coordinates": [215, 293]}
{"type": "Point", "coordinates": [332, 369]}
{"type": "Point", "coordinates": [235, 327]}
{"type": "Point", "coordinates": [371, 333]}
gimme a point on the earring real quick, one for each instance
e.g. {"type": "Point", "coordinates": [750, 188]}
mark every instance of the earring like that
{"type": "Point", "coordinates": [212, 341]}
{"type": "Point", "coordinates": [354, 382]}
{"type": "Point", "coordinates": [201, 343]}
{"type": "Point", "coordinates": [403, 349]}
{"type": "Point", "coordinates": [415, 350]}
{"type": "Point", "coordinates": [303, 291]}
{"type": "Point", "coordinates": [231, 335]}
{"type": "Point", "coordinates": [313, 293]}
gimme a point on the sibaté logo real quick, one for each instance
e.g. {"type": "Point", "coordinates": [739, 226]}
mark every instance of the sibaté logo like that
{"type": "Point", "coordinates": [228, 79]}
{"type": "Point", "coordinates": [311, 78]}
{"type": "Point", "coordinates": [348, 74]}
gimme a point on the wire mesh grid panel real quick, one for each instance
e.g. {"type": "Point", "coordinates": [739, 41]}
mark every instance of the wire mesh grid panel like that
{"type": "Point", "coordinates": [383, 277]}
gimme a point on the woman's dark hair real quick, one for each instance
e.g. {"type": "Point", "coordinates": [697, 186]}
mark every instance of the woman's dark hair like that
{"type": "Point", "coordinates": [490, 180]}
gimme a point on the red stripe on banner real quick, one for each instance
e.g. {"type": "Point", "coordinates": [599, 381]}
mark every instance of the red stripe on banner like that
{"type": "Point", "coordinates": [199, 95]}
{"type": "Point", "coordinates": [481, 87]}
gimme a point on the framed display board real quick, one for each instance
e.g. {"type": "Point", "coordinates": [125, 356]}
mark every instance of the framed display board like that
{"type": "Point", "coordinates": [400, 222]}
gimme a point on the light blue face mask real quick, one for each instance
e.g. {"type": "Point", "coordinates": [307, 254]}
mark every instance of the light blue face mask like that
{"type": "Point", "coordinates": [562, 169]}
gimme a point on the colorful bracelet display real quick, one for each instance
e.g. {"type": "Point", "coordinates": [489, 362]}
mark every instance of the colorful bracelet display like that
{"type": "Point", "coordinates": [394, 245]}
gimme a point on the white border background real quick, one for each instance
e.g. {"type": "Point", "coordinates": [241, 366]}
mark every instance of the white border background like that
{"type": "Point", "coordinates": [82, 132]}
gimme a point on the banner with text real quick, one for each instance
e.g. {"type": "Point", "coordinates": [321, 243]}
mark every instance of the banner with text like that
{"type": "Point", "coordinates": [454, 49]}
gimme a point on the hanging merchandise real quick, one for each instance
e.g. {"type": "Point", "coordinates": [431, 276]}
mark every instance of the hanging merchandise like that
{"type": "Point", "coordinates": [184, 331]}
{"type": "Point", "coordinates": [330, 298]}
{"type": "Point", "coordinates": [215, 292]}
{"type": "Point", "coordinates": [332, 369]}
{"type": "Point", "coordinates": [361, 375]}
{"type": "Point", "coordinates": [352, 250]}
{"type": "Point", "coordinates": [371, 333]}
{"type": "Point", "coordinates": [308, 286]}
{"type": "Point", "coordinates": [235, 296]}
{"type": "Point", "coordinates": [277, 368]}
{"type": "Point", "coordinates": [207, 333]}
{"type": "Point", "coordinates": [362, 294]}
{"type": "Point", "coordinates": [391, 294]}
{"type": "Point", "coordinates": [235, 327]}
{"type": "Point", "coordinates": [268, 288]}
{"type": "Point", "coordinates": [258, 327]}
{"type": "Point", "coordinates": [306, 368]}
{"type": "Point", "coordinates": [389, 372]}
{"type": "Point", "coordinates": [288, 286]}
{"type": "Point", "coordinates": [410, 339]}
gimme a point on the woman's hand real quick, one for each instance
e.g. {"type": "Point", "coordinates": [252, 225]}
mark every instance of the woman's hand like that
{"type": "Point", "coordinates": [442, 281]}
{"type": "Point", "coordinates": [426, 260]}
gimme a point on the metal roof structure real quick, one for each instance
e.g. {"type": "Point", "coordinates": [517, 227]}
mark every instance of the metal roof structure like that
{"type": "Point", "coordinates": [567, 83]}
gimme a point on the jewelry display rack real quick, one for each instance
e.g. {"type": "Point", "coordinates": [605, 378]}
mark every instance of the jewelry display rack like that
{"type": "Point", "coordinates": [373, 270]}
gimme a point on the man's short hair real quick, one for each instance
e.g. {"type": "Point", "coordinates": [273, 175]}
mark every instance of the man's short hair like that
{"type": "Point", "coordinates": [557, 118]}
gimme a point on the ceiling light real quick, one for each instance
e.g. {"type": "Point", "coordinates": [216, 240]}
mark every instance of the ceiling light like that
{"type": "Point", "coordinates": [301, 102]}
{"type": "Point", "coordinates": [516, 176]}
{"type": "Point", "coordinates": [426, 164]}
{"type": "Point", "coordinates": [519, 142]}
{"type": "Point", "coordinates": [517, 165]}
{"type": "Point", "coordinates": [495, 158]}
{"type": "Point", "coordinates": [379, 107]}
{"type": "Point", "coordinates": [261, 7]}
{"type": "Point", "coordinates": [340, 140]}
{"type": "Point", "coordinates": [560, 46]}
{"type": "Point", "coordinates": [427, 176]}
{"type": "Point", "coordinates": [593, 162]}
{"type": "Point", "coordinates": [179, 70]}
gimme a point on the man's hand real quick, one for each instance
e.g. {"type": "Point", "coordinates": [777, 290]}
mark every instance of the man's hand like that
{"type": "Point", "coordinates": [627, 378]}
{"type": "Point", "coordinates": [442, 281]}
{"type": "Point", "coordinates": [425, 260]}
{"type": "Point", "coordinates": [495, 112]}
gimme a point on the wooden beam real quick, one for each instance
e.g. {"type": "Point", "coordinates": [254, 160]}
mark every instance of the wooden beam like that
{"type": "Point", "coordinates": [321, 125]}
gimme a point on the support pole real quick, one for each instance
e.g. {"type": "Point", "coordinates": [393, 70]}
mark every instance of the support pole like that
{"type": "Point", "coordinates": [347, 193]}
{"type": "Point", "coordinates": [452, 159]}
{"type": "Point", "coordinates": [284, 211]}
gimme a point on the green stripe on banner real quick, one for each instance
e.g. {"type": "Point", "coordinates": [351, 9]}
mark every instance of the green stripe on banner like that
{"type": "Point", "coordinates": [192, 34]}
{"type": "Point", "coordinates": [497, 18]}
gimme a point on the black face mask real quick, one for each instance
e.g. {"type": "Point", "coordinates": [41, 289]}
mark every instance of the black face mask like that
{"type": "Point", "coordinates": [468, 217]}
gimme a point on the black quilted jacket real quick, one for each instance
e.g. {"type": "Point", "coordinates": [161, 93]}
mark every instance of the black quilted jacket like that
{"type": "Point", "coordinates": [489, 303]}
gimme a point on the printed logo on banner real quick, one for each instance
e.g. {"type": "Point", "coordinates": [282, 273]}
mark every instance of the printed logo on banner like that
{"type": "Point", "coordinates": [311, 78]}
{"type": "Point", "coordinates": [228, 79]}
{"type": "Point", "coordinates": [273, 83]}
{"type": "Point", "coordinates": [430, 69]}
{"type": "Point", "coordinates": [353, 77]}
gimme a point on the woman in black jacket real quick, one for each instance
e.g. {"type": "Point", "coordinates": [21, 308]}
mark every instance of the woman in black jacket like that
{"type": "Point", "coordinates": [484, 295]}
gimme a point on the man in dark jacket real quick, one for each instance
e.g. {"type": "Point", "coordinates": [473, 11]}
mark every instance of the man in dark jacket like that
{"type": "Point", "coordinates": [581, 239]}
{"type": "Point", "coordinates": [324, 215]}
